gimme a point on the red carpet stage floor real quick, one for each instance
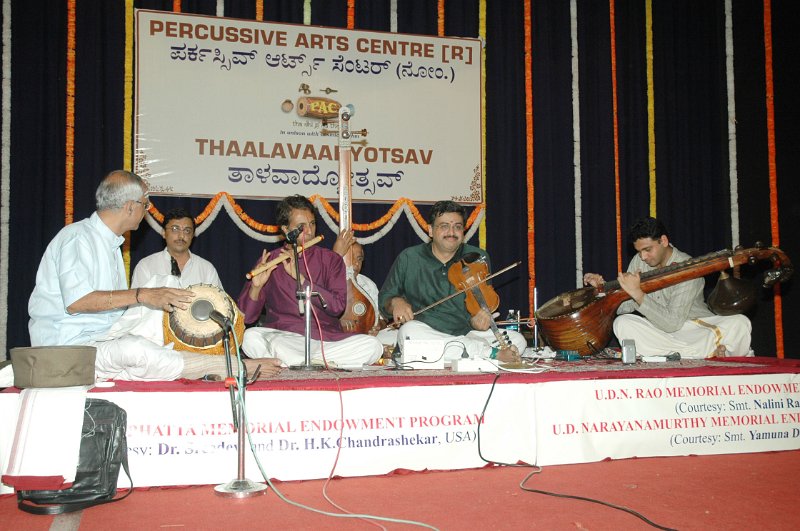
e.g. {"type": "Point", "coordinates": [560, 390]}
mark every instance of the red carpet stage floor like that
{"type": "Point", "coordinates": [731, 492]}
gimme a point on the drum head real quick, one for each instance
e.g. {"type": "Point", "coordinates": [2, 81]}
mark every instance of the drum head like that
{"type": "Point", "coordinates": [193, 329]}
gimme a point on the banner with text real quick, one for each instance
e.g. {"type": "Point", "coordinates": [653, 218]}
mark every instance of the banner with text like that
{"type": "Point", "coordinates": [676, 416]}
{"type": "Point", "coordinates": [189, 439]}
{"type": "Point", "coordinates": [252, 108]}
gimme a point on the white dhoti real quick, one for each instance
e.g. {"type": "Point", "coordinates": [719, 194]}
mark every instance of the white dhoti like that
{"type": "Point", "coordinates": [696, 339]}
{"type": "Point", "coordinates": [290, 348]}
{"type": "Point", "coordinates": [133, 349]}
{"type": "Point", "coordinates": [477, 344]}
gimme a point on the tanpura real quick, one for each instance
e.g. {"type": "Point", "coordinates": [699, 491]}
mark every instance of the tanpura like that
{"type": "Point", "coordinates": [360, 314]}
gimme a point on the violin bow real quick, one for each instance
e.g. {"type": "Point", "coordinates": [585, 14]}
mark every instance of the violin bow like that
{"type": "Point", "coordinates": [459, 292]}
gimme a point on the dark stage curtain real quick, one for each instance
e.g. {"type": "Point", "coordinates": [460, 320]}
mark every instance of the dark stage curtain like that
{"type": "Point", "coordinates": [691, 136]}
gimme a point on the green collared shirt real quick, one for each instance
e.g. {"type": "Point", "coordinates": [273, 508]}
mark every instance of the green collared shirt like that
{"type": "Point", "coordinates": [421, 279]}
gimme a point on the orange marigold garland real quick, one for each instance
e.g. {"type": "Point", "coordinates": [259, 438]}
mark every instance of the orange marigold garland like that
{"type": "Point", "coordinates": [69, 184]}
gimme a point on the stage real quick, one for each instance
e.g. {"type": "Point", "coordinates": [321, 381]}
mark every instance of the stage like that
{"type": "Point", "coordinates": [181, 433]}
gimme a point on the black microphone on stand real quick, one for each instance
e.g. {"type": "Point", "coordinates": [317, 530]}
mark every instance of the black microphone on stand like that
{"type": "Point", "coordinates": [220, 319]}
{"type": "Point", "coordinates": [203, 310]}
{"type": "Point", "coordinates": [292, 235]}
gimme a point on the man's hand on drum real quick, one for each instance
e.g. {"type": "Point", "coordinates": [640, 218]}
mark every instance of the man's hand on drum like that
{"type": "Point", "coordinates": [269, 367]}
{"type": "Point", "coordinates": [167, 299]}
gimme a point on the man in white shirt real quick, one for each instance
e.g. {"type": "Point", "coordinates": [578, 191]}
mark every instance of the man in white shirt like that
{"type": "Point", "coordinates": [81, 292]}
{"type": "Point", "coordinates": [176, 258]}
{"type": "Point", "coordinates": [675, 318]}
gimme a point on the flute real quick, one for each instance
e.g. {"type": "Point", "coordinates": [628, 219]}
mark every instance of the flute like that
{"type": "Point", "coordinates": [275, 261]}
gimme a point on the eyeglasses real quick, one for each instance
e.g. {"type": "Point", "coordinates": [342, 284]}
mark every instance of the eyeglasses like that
{"type": "Point", "coordinates": [145, 204]}
{"type": "Point", "coordinates": [445, 227]}
{"type": "Point", "coordinates": [175, 229]}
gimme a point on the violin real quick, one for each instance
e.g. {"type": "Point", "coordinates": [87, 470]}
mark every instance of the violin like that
{"type": "Point", "coordinates": [394, 324]}
{"type": "Point", "coordinates": [469, 275]}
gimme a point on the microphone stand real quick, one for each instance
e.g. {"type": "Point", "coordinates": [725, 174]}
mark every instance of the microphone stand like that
{"type": "Point", "coordinates": [304, 301]}
{"type": "Point", "coordinates": [241, 487]}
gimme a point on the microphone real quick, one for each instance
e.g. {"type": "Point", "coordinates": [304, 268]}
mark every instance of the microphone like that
{"type": "Point", "coordinates": [220, 319]}
{"type": "Point", "coordinates": [203, 310]}
{"type": "Point", "coordinates": [292, 235]}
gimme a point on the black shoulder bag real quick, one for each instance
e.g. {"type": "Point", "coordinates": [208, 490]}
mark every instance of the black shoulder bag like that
{"type": "Point", "coordinates": [103, 449]}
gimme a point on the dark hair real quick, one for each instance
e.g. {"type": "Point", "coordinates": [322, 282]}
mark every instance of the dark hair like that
{"type": "Point", "coordinates": [292, 202]}
{"type": "Point", "coordinates": [178, 213]}
{"type": "Point", "coordinates": [647, 228]}
{"type": "Point", "coordinates": [444, 207]}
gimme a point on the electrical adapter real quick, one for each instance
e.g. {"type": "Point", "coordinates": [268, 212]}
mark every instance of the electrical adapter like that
{"type": "Point", "coordinates": [473, 365]}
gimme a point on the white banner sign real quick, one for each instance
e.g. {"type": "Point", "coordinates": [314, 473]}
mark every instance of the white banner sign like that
{"type": "Point", "coordinates": [673, 416]}
{"type": "Point", "coordinates": [251, 108]}
{"type": "Point", "coordinates": [187, 438]}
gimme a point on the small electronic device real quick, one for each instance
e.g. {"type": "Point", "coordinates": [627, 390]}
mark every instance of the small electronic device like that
{"type": "Point", "coordinates": [423, 354]}
{"type": "Point", "coordinates": [628, 351]}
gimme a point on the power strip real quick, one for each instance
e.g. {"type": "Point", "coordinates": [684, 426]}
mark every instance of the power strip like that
{"type": "Point", "coordinates": [474, 365]}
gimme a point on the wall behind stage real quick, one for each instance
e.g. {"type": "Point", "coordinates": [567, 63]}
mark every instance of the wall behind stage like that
{"type": "Point", "coordinates": [562, 175]}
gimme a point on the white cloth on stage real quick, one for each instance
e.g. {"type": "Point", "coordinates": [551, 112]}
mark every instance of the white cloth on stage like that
{"type": "Point", "coordinates": [478, 344]}
{"type": "Point", "coordinates": [46, 446]}
{"type": "Point", "coordinates": [133, 348]}
{"type": "Point", "coordinates": [289, 347]}
{"type": "Point", "coordinates": [6, 376]}
{"type": "Point", "coordinates": [697, 339]}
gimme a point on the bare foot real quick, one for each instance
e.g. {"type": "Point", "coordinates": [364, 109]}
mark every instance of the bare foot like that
{"type": "Point", "coordinates": [721, 352]}
{"type": "Point", "coordinates": [269, 367]}
{"type": "Point", "coordinates": [509, 355]}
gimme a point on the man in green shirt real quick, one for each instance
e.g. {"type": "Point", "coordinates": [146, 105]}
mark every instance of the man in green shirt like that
{"type": "Point", "coordinates": [418, 278]}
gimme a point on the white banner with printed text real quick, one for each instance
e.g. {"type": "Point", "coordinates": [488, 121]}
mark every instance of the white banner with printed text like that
{"type": "Point", "coordinates": [252, 108]}
{"type": "Point", "coordinates": [188, 438]}
{"type": "Point", "coordinates": [667, 416]}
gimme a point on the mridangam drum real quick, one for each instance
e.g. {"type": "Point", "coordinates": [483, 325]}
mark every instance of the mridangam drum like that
{"type": "Point", "coordinates": [193, 330]}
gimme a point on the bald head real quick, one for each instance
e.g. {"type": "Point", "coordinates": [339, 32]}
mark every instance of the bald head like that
{"type": "Point", "coordinates": [117, 188]}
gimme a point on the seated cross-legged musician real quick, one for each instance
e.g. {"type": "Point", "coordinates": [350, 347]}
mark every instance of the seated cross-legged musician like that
{"type": "Point", "coordinates": [675, 318]}
{"type": "Point", "coordinates": [81, 292]}
{"type": "Point", "coordinates": [281, 333]}
{"type": "Point", "coordinates": [176, 259]}
{"type": "Point", "coordinates": [419, 277]}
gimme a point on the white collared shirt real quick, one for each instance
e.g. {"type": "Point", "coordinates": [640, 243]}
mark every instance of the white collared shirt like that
{"type": "Point", "coordinates": [82, 258]}
{"type": "Point", "coordinates": [197, 270]}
